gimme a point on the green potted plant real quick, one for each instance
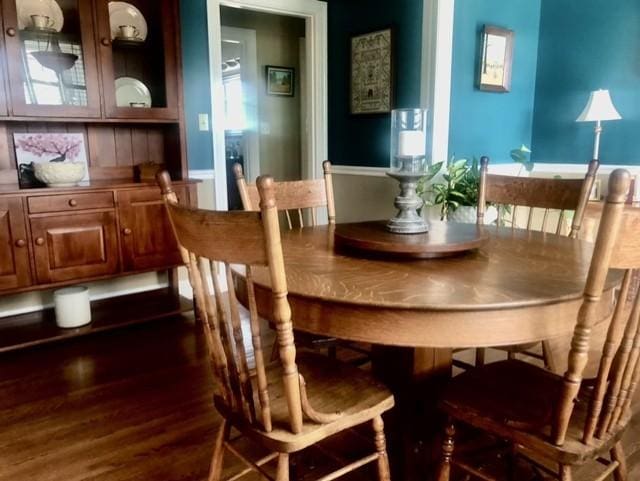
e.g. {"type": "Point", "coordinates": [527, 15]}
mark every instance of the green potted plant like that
{"type": "Point", "coordinates": [457, 196]}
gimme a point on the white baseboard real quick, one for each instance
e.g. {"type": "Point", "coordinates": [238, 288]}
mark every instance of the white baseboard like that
{"type": "Point", "coordinates": [16, 304]}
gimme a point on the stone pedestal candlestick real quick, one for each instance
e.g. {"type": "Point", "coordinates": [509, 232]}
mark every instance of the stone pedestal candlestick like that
{"type": "Point", "coordinates": [407, 221]}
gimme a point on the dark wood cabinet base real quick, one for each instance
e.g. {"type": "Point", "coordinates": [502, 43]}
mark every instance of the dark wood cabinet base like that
{"type": "Point", "coordinates": [40, 327]}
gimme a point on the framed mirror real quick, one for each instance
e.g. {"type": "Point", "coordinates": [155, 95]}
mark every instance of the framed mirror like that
{"type": "Point", "coordinates": [496, 59]}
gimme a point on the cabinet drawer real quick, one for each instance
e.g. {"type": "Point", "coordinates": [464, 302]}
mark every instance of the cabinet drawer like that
{"type": "Point", "coordinates": [70, 202]}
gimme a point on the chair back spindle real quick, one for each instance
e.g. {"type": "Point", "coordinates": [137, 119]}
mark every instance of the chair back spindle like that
{"type": "Point", "coordinates": [526, 194]}
{"type": "Point", "coordinates": [209, 241]}
{"type": "Point", "coordinates": [609, 404]}
{"type": "Point", "coordinates": [299, 200]}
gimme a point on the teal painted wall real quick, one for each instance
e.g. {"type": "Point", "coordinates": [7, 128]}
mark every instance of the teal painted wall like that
{"type": "Point", "coordinates": [586, 45]}
{"type": "Point", "coordinates": [488, 123]}
{"type": "Point", "coordinates": [364, 140]}
{"type": "Point", "coordinates": [353, 140]}
{"type": "Point", "coordinates": [197, 96]}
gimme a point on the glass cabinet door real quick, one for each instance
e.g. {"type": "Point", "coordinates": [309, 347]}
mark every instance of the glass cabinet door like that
{"type": "Point", "coordinates": [51, 58]}
{"type": "Point", "coordinates": [138, 58]}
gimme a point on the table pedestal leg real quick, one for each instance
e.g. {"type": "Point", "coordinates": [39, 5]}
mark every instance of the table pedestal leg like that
{"type": "Point", "coordinates": [416, 377]}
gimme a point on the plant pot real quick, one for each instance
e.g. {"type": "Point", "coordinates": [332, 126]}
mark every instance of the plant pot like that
{"type": "Point", "coordinates": [59, 174]}
{"type": "Point", "coordinates": [72, 307]}
{"type": "Point", "coordinates": [468, 215]}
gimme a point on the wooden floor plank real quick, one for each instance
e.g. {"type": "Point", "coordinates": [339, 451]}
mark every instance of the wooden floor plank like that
{"type": "Point", "coordinates": [132, 405]}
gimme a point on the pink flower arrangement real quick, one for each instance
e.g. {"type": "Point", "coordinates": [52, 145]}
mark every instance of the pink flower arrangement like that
{"type": "Point", "coordinates": [62, 146]}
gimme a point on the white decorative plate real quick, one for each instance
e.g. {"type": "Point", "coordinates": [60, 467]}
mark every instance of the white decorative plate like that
{"type": "Point", "coordinates": [123, 13]}
{"type": "Point", "coordinates": [48, 8]}
{"type": "Point", "coordinates": [130, 92]}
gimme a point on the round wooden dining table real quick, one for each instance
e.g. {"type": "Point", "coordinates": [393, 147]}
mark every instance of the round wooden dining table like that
{"type": "Point", "coordinates": [519, 287]}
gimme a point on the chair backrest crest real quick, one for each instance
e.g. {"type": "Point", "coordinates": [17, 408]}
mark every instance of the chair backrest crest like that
{"type": "Point", "coordinates": [293, 197]}
{"type": "Point", "coordinates": [536, 193]}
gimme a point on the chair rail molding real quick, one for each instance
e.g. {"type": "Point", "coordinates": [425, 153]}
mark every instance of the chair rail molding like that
{"type": "Point", "coordinates": [437, 53]}
{"type": "Point", "coordinates": [315, 14]}
{"type": "Point", "coordinates": [358, 170]}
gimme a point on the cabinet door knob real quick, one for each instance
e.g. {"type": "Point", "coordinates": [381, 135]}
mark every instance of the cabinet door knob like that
{"type": "Point", "coordinates": [21, 243]}
{"type": "Point", "coordinates": [105, 41]}
{"type": "Point", "coordinates": [73, 202]}
{"type": "Point", "coordinates": [39, 241]}
{"type": "Point", "coordinates": [126, 231]}
{"type": "Point", "coordinates": [11, 32]}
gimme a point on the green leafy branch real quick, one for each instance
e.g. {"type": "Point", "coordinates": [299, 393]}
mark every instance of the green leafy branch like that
{"type": "Point", "coordinates": [461, 181]}
{"type": "Point", "coordinates": [460, 186]}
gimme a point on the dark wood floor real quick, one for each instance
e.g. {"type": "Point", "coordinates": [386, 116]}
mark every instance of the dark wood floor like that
{"type": "Point", "coordinates": [128, 405]}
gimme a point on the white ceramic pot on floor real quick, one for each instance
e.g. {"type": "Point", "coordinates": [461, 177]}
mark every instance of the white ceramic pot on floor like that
{"type": "Point", "coordinates": [72, 307]}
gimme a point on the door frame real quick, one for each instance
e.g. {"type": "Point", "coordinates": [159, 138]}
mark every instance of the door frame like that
{"type": "Point", "coordinates": [249, 75]}
{"type": "Point", "coordinates": [314, 13]}
{"type": "Point", "coordinates": [437, 56]}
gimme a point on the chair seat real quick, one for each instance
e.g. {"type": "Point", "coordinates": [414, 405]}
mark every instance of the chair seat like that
{"type": "Point", "coordinates": [514, 400]}
{"type": "Point", "coordinates": [332, 386]}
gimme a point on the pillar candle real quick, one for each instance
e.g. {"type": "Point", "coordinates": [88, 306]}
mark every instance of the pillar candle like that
{"type": "Point", "coordinates": [411, 143]}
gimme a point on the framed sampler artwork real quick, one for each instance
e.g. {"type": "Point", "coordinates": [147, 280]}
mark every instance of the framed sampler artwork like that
{"type": "Point", "coordinates": [372, 73]}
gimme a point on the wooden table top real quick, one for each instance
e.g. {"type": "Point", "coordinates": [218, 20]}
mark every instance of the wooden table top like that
{"type": "Point", "coordinates": [518, 287]}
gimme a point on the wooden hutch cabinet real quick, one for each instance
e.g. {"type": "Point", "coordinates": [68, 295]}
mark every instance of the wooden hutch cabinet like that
{"type": "Point", "coordinates": [111, 72]}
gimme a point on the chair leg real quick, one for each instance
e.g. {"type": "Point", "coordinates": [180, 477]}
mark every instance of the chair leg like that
{"type": "Point", "coordinates": [617, 454]}
{"type": "Point", "coordinates": [384, 474]}
{"type": "Point", "coordinates": [218, 451]}
{"type": "Point", "coordinates": [511, 463]}
{"type": "Point", "coordinates": [444, 470]}
{"type": "Point", "coordinates": [547, 353]}
{"type": "Point", "coordinates": [283, 467]}
{"type": "Point", "coordinates": [565, 473]}
{"type": "Point", "coordinates": [480, 356]}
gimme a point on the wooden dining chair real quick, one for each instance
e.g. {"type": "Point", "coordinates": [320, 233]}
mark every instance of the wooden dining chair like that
{"type": "Point", "coordinates": [532, 197]}
{"type": "Point", "coordinates": [286, 405]}
{"type": "Point", "coordinates": [299, 201]}
{"type": "Point", "coordinates": [555, 421]}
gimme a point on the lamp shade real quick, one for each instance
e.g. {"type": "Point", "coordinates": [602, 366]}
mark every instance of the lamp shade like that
{"type": "Point", "coordinates": [599, 107]}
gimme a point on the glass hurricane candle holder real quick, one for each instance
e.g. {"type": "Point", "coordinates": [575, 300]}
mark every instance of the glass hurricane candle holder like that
{"type": "Point", "coordinates": [408, 165]}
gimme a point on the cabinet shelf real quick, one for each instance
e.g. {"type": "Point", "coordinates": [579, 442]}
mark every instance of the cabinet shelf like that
{"type": "Point", "coordinates": [37, 328]}
{"type": "Point", "coordinates": [129, 45]}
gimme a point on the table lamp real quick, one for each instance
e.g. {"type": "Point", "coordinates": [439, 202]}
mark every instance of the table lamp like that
{"type": "Point", "coordinates": [599, 108]}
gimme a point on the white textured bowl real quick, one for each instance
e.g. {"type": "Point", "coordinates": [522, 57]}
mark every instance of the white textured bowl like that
{"type": "Point", "coordinates": [59, 174]}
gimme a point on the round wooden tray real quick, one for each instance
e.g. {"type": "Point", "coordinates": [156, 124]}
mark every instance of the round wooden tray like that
{"type": "Point", "coordinates": [443, 239]}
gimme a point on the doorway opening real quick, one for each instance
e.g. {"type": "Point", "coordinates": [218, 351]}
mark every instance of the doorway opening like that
{"type": "Point", "coordinates": [268, 74]}
{"type": "Point", "coordinates": [261, 76]}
